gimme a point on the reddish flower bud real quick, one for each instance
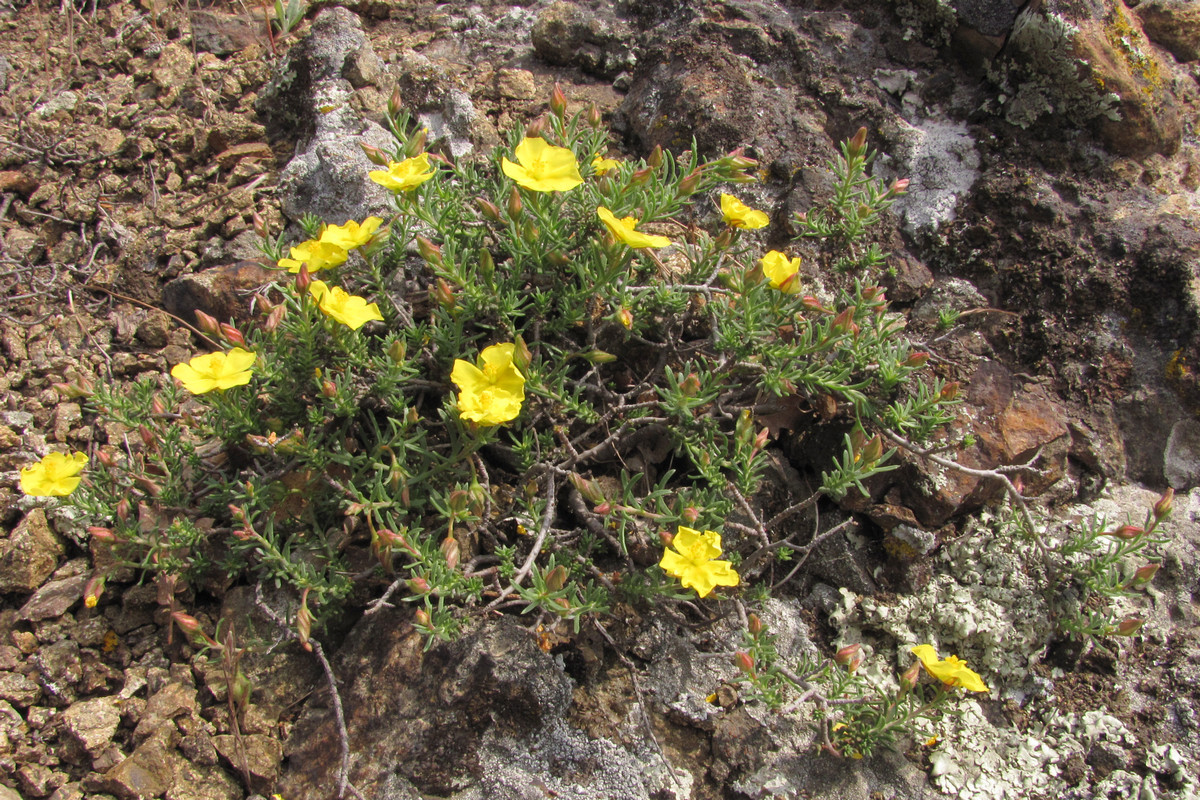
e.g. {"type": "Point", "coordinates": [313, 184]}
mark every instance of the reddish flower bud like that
{"type": "Point", "coordinates": [593, 116]}
{"type": "Point", "coordinates": [1126, 532]}
{"type": "Point", "coordinates": [207, 323]}
{"type": "Point", "coordinates": [949, 392]}
{"type": "Point", "coordinates": [146, 436]}
{"type": "Point", "coordinates": [655, 158]}
{"type": "Point", "coordinates": [328, 388]}
{"type": "Point", "coordinates": [666, 537]}
{"type": "Point", "coordinates": [93, 590]}
{"type": "Point", "coordinates": [558, 101]}
{"type": "Point", "coordinates": [393, 105]}
{"type": "Point", "coordinates": [106, 458]}
{"type": "Point", "coordinates": [421, 619]}
{"type": "Point", "coordinates": [738, 160]}
{"type": "Point", "coordinates": [123, 509]}
{"type": "Point", "coordinates": [429, 251]}
{"type": "Point", "coordinates": [843, 323]}
{"type": "Point", "coordinates": [690, 515]}
{"type": "Point", "coordinates": [514, 203]}
{"type": "Point", "coordinates": [858, 144]}
{"type": "Point", "coordinates": [375, 155]}
{"type": "Point", "coordinates": [910, 677]}
{"type": "Point", "coordinates": [490, 210]}
{"type": "Point", "coordinates": [1144, 574]}
{"type": "Point", "coordinates": [451, 551]}
{"type": "Point", "coordinates": [744, 661]}
{"type": "Point", "coordinates": [691, 182]}
{"type": "Point", "coordinates": [530, 232]}
{"type": "Point", "coordinates": [418, 585]}
{"type": "Point", "coordinates": [275, 317]}
{"type": "Point", "coordinates": [760, 441]}
{"type": "Point", "coordinates": [303, 280]}
{"type": "Point", "coordinates": [849, 656]}
{"type": "Point", "coordinates": [899, 187]}
{"type": "Point", "coordinates": [260, 225]}
{"type": "Point", "coordinates": [1129, 626]}
{"type": "Point", "coordinates": [536, 129]}
{"type": "Point", "coordinates": [690, 385]}
{"type": "Point", "coordinates": [813, 304]}
{"type": "Point", "coordinates": [1162, 509]}
{"type": "Point", "coordinates": [416, 143]}
{"type": "Point", "coordinates": [556, 578]}
{"type": "Point", "coordinates": [754, 625]}
{"type": "Point", "coordinates": [590, 491]}
{"type": "Point", "coordinates": [640, 176]}
{"type": "Point", "coordinates": [148, 486]}
{"type": "Point", "coordinates": [232, 335]}
{"type": "Point", "coordinates": [915, 360]}
{"type": "Point", "coordinates": [604, 508]}
{"type": "Point", "coordinates": [102, 534]}
{"type": "Point", "coordinates": [625, 317]}
{"type": "Point", "coordinates": [522, 355]}
{"type": "Point", "coordinates": [443, 295]}
{"type": "Point", "coordinates": [872, 450]}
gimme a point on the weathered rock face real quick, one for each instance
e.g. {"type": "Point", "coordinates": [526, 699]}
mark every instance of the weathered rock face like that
{"type": "Point", "coordinates": [1174, 24]}
{"type": "Point", "coordinates": [591, 38]}
{"type": "Point", "coordinates": [30, 554]}
{"type": "Point", "coordinates": [311, 99]}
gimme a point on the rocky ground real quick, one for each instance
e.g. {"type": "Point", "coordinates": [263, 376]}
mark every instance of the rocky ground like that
{"type": "Point", "coordinates": [137, 141]}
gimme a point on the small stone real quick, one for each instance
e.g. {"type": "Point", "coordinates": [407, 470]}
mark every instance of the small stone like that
{"type": "Point", "coordinates": [203, 782]}
{"type": "Point", "coordinates": [249, 150]}
{"type": "Point", "coordinates": [58, 107]}
{"type": "Point", "coordinates": [67, 416]}
{"type": "Point", "coordinates": [19, 690]}
{"type": "Point", "coordinates": [8, 438]}
{"type": "Point", "coordinates": [19, 182]}
{"type": "Point", "coordinates": [38, 781]}
{"type": "Point", "coordinates": [154, 329]}
{"type": "Point", "coordinates": [29, 555]}
{"type": "Point", "coordinates": [166, 704]}
{"type": "Point", "coordinates": [516, 84]}
{"type": "Point", "coordinates": [92, 723]}
{"type": "Point", "coordinates": [148, 772]}
{"type": "Point", "coordinates": [174, 66]}
{"type": "Point", "coordinates": [53, 599]}
{"type": "Point", "coordinates": [263, 756]}
{"type": "Point", "coordinates": [215, 291]}
{"type": "Point", "coordinates": [225, 34]}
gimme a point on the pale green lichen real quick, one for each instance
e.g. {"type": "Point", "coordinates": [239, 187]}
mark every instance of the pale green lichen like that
{"type": "Point", "coordinates": [1039, 75]}
{"type": "Point", "coordinates": [929, 21]}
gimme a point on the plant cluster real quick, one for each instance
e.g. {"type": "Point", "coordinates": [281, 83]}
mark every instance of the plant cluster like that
{"type": "Point", "coordinates": [539, 386]}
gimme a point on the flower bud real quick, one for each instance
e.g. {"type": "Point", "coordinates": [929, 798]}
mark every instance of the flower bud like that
{"type": "Point", "coordinates": [849, 656]}
{"type": "Point", "coordinates": [275, 317]}
{"type": "Point", "coordinates": [1162, 509]}
{"type": "Point", "coordinates": [556, 578]}
{"type": "Point", "coordinates": [375, 155]}
{"type": "Point", "coordinates": [429, 251]}
{"type": "Point", "coordinates": [949, 392]}
{"type": "Point", "coordinates": [915, 360]}
{"type": "Point", "coordinates": [640, 176]}
{"type": "Point", "coordinates": [418, 585]}
{"type": "Point", "coordinates": [813, 304]}
{"type": "Point", "coordinates": [666, 537]}
{"type": "Point", "coordinates": [899, 187]}
{"type": "Point", "coordinates": [259, 225]}
{"type": "Point", "coordinates": [858, 144]}
{"type": "Point", "coordinates": [207, 323]}
{"type": "Point", "coordinates": [593, 116]}
{"type": "Point", "coordinates": [148, 486]}
{"type": "Point", "coordinates": [303, 280]}
{"type": "Point", "coordinates": [451, 551]}
{"type": "Point", "coordinates": [690, 515]}
{"type": "Point", "coordinates": [872, 450]}
{"type": "Point", "coordinates": [514, 203]}
{"type": "Point", "coordinates": [421, 619]}
{"type": "Point", "coordinates": [530, 232]}
{"type": "Point", "coordinates": [146, 436]}
{"type": "Point", "coordinates": [232, 335]}
{"type": "Point", "coordinates": [590, 491]}
{"type": "Point", "coordinates": [522, 355]}
{"type": "Point", "coordinates": [724, 238]}
{"type": "Point", "coordinates": [655, 159]}
{"type": "Point", "coordinates": [393, 105]}
{"type": "Point", "coordinates": [760, 441]}
{"type": "Point", "coordinates": [604, 508]}
{"type": "Point", "coordinates": [690, 385]}
{"type": "Point", "coordinates": [625, 317]}
{"type": "Point", "coordinates": [157, 406]}
{"type": "Point", "coordinates": [738, 161]}
{"type": "Point", "coordinates": [416, 143]}
{"type": "Point", "coordinates": [744, 661]}
{"type": "Point", "coordinates": [1129, 626]}
{"type": "Point", "coordinates": [397, 350]}
{"type": "Point", "coordinates": [93, 590]}
{"type": "Point", "coordinates": [490, 210]}
{"type": "Point", "coordinates": [123, 509]}
{"type": "Point", "coordinates": [1126, 532]}
{"type": "Point", "coordinates": [101, 534]}
{"type": "Point", "coordinates": [910, 677]}
{"type": "Point", "coordinates": [328, 388]}
{"type": "Point", "coordinates": [443, 295]}
{"type": "Point", "coordinates": [754, 625]}
{"type": "Point", "coordinates": [843, 323]}
{"type": "Point", "coordinates": [558, 101]}
{"type": "Point", "coordinates": [1144, 574]}
{"type": "Point", "coordinates": [304, 621]}
{"type": "Point", "coordinates": [536, 129]}
{"type": "Point", "coordinates": [598, 357]}
{"type": "Point", "coordinates": [690, 182]}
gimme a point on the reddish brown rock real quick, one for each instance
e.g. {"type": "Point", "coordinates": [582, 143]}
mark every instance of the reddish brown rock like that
{"type": "Point", "coordinates": [29, 555]}
{"type": "Point", "coordinates": [1174, 24]}
{"type": "Point", "coordinates": [215, 291]}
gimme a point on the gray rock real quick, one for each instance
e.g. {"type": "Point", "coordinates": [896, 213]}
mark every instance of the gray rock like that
{"type": "Point", "coordinates": [148, 772]}
{"type": "Point", "coordinates": [173, 700]}
{"type": "Point", "coordinates": [1181, 460]}
{"type": "Point", "coordinates": [92, 723]}
{"type": "Point", "coordinates": [225, 34]}
{"type": "Point", "coordinates": [940, 160]}
{"type": "Point", "coordinates": [262, 756]}
{"type": "Point", "coordinates": [309, 99]}
{"type": "Point", "coordinates": [589, 37]}
{"type": "Point", "coordinates": [989, 17]}
{"type": "Point", "coordinates": [19, 689]}
{"type": "Point", "coordinates": [30, 554]}
{"type": "Point", "coordinates": [53, 599]}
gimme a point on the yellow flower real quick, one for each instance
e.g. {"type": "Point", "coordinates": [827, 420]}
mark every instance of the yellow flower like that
{"type": "Point", "coordinates": [492, 392]}
{"type": "Point", "coordinates": [624, 230]}
{"type": "Point", "coordinates": [402, 176]}
{"type": "Point", "coordinates": [603, 165]}
{"type": "Point", "coordinates": [56, 475]}
{"type": "Point", "coordinates": [740, 215]}
{"type": "Point", "coordinates": [543, 167]}
{"type": "Point", "coordinates": [692, 561]}
{"type": "Point", "coordinates": [781, 271]}
{"type": "Point", "coordinates": [215, 371]}
{"type": "Point", "coordinates": [317, 254]}
{"type": "Point", "coordinates": [348, 309]}
{"type": "Point", "coordinates": [351, 235]}
{"type": "Point", "coordinates": [951, 671]}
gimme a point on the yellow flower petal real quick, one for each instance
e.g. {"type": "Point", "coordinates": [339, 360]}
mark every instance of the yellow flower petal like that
{"type": "Point", "coordinates": [543, 167]}
{"type": "Point", "coordinates": [693, 561]}
{"type": "Point", "coordinates": [624, 231]}
{"type": "Point", "coordinates": [351, 235]}
{"type": "Point", "coordinates": [740, 215]}
{"type": "Point", "coordinates": [317, 254]}
{"type": "Point", "coordinates": [491, 393]}
{"type": "Point", "coordinates": [603, 166]}
{"type": "Point", "coordinates": [56, 475]}
{"type": "Point", "coordinates": [215, 371]}
{"type": "Point", "coordinates": [951, 672]}
{"type": "Point", "coordinates": [782, 271]}
{"type": "Point", "coordinates": [337, 304]}
{"type": "Point", "coordinates": [406, 175]}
